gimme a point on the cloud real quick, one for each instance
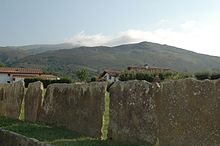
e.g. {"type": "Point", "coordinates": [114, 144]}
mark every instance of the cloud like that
{"type": "Point", "coordinates": [202, 39]}
{"type": "Point", "coordinates": [189, 24]}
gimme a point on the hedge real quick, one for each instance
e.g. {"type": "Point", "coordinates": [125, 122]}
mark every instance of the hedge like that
{"type": "Point", "coordinates": [27, 81]}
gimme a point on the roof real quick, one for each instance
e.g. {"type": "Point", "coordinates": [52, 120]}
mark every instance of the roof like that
{"type": "Point", "coordinates": [20, 70]}
{"type": "Point", "coordinates": [43, 76]}
{"type": "Point", "coordinates": [111, 72]}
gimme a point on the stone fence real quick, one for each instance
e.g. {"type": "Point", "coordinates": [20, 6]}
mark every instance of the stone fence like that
{"type": "Point", "coordinates": [174, 113]}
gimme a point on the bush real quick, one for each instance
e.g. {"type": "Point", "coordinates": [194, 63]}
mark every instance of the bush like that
{"type": "Point", "coordinates": [27, 81]}
{"type": "Point", "coordinates": [93, 79]}
{"type": "Point", "coordinates": [215, 75]}
{"type": "Point", "coordinates": [127, 75]}
{"type": "Point", "coordinates": [202, 75]}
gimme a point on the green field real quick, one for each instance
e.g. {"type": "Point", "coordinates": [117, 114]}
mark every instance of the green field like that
{"type": "Point", "coordinates": [54, 135]}
{"type": "Point", "coordinates": [59, 136]}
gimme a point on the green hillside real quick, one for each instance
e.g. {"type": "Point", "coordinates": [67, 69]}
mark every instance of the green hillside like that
{"type": "Point", "coordinates": [8, 56]}
{"type": "Point", "coordinates": [95, 59]}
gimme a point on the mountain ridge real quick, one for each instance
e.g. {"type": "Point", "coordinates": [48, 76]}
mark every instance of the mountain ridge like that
{"type": "Point", "coordinates": [95, 59]}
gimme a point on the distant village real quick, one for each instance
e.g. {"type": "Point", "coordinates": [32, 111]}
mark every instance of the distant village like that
{"type": "Point", "coordinates": [11, 75]}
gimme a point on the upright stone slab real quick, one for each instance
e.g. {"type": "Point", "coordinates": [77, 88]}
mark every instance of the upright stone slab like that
{"type": "Point", "coordinates": [11, 96]}
{"type": "Point", "coordinates": [33, 100]}
{"type": "Point", "coordinates": [132, 112]}
{"type": "Point", "coordinates": [78, 107]}
{"type": "Point", "coordinates": [189, 113]}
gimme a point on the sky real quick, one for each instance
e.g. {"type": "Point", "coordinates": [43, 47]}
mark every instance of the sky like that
{"type": "Point", "coordinates": [190, 24]}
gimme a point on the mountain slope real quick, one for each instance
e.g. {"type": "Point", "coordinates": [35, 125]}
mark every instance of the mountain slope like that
{"type": "Point", "coordinates": [67, 61]}
{"type": "Point", "coordinates": [35, 49]}
{"type": "Point", "coordinates": [9, 56]}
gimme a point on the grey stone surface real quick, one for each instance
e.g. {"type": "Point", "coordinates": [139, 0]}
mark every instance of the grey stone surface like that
{"type": "Point", "coordinates": [78, 107]}
{"type": "Point", "coordinates": [132, 112]}
{"type": "Point", "coordinates": [33, 100]}
{"type": "Point", "coordinates": [11, 96]}
{"type": "Point", "coordinates": [189, 113]}
{"type": "Point", "coordinates": [179, 113]}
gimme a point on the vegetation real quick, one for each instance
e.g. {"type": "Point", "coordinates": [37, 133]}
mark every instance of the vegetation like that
{"type": "Point", "coordinates": [2, 64]}
{"type": "Point", "coordinates": [83, 75]}
{"type": "Point", "coordinates": [53, 135]}
{"type": "Point", "coordinates": [207, 75]}
{"type": "Point", "coordinates": [202, 75]}
{"type": "Point", "coordinates": [152, 77]}
{"type": "Point", "coordinates": [94, 59]}
{"type": "Point", "coordinates": [27, 81]}
{"type": "Point", "coordinates": [215, 75]}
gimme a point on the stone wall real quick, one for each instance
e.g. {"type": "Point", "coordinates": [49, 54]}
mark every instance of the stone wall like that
{"type": "Point", "coordinates": [8, 138]}
{"type": "Point", "coordinates": [11, 96]}
{"type": "Point", "coordinates": [176, 113]}
{"type": "Point", "coordinates": [188, 112]}
{"type": "Point", "coordinates": [78, 107]}
{"type": "Point", "coordinates": [33, 100]}
{"type": "Point", "coordinates": [133, 112]}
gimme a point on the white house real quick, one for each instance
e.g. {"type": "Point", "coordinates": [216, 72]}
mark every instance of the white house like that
{"type": "Point", "coordinates": [11, 75]}
{"type": "Point", "coordinates": [110, 75]}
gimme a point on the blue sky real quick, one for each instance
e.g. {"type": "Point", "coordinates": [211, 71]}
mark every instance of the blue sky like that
{"type": "Point", "coordinates": [191, 24]}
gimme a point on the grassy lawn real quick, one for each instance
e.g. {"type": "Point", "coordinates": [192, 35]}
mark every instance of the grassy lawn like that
{"type": "Point", "coordinates": [58, 136]}
{"type": "Point", "coordinates": [53, 135]}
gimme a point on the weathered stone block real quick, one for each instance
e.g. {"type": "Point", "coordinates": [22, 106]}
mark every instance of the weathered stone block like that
{"type": "Point", "coordinates": [189, 113]}
{"type": "Point", "coordinates": [33, 100]}
{"type": "Point", "coordinates": [132, 112]}
{"type": "Point", "coordinates": [11, 96]}
{"type": "Point", "coordinates": [78, 107]}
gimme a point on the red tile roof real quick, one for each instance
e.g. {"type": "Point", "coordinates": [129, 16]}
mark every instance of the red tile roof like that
{"type": "Point", "coordinates": [20, 70]}
{"type": "Point", "coordinates": [111, 72]}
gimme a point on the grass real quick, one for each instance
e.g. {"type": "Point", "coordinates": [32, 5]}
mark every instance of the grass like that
{"type": "Point", "coordinates": [54, 135]}
{"type": "Point", "coordinates": [59, 136]}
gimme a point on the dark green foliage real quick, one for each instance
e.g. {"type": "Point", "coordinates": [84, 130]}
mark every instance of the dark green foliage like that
{"type": "Point", "coordinates": [93, 79]}
{"type": "Point", "coordinates": [215, 75]}
{"type": "Point", "coordinates": [202, 75]}
{"type": "Point", "coordinates": [127, 75]}
{"type": "Point", "coordinates": [2, 64]}
{"type": "Point", "coordinates": [46, 82]}
{"type": "Point", "coordinates": [152, 77]}
{"type": "Point", "coordinates": [83, 75]}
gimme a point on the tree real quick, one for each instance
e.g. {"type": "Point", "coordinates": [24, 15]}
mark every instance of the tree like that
{"type": "Point", "coordinates": [2, 64]}
{"type": "Point", "coordinates": [83, 75]}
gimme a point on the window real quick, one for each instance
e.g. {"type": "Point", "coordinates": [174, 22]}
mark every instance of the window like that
{"type": "Point", "coordinates": [9, 75]}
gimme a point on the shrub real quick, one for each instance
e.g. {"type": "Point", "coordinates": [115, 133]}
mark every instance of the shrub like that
{"type": "Point", "coordinates": [127, 75]}
{"type": "Point", "coordinates": [93, 79]}
{"type": "Point", "coordinates": [202, 75]}
{"type": "Point", "coordinates": [27, 81]}
{"type": "Point", "coordinates": [215, 75]}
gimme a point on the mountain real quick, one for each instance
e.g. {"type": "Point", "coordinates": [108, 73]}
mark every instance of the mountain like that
{"type": "Point", "coordinates": [35, 49]}
{"type": "Point", "coordinates": [9, 56]}
{"type": "Point", "coordinates": [95, 59]}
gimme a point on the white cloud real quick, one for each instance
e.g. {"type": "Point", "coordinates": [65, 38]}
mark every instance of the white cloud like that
{"type": "Point", "coordinates": [189, 24]}
{"type": "Point", "coordinates": [203, 39]}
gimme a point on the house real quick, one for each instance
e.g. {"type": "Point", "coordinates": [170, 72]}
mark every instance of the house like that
{"type": "Point", "coordinates": [110, 75]}
{"type": "Point", "coordinates": [11, 75]}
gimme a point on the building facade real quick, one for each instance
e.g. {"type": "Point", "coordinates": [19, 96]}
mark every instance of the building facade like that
{"type": "Point", "coordinates": [11, 75]}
